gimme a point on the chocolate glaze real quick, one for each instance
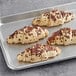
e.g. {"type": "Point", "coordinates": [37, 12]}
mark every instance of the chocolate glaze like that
{"type": "Point", "coordinates": [66, 30]}
{"type": "Point", "coordinates": [63, 13]}
{"type": "Point", "coordinates": [24, 30]}
{"type": "Point", "coordinates": [50, 15]}
{"type": "Point", "coordinates": [53, 17]}
{"type": "Point", "coordinates": [73, 32]}
{"type": "Point", "coordinates": [51, 39]}
{"type": "Point", "coordinates": [12, 35]}
{"type": "Point", "coordinates": [47, 14]}
{"type": "Point", "coordinates": [59, 33]}
{"type": "Point", "coordinates": [38, 49]}
{"type": "Point", "coordinates": [55, 10]}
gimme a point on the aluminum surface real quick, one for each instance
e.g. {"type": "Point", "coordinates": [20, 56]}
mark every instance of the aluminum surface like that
{"type": "Point", "coordinates": [14, 22]}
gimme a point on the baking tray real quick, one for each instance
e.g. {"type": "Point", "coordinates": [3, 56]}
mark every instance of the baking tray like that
{"type": "Point", "coordinates": [11, 23]}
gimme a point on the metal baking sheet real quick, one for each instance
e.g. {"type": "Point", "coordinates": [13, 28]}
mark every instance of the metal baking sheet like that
{"type": "Point", "coordinates": [11, 23]}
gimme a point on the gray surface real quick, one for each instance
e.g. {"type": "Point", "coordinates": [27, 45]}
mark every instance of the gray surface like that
{"type": "Point", "coordinates": [10, 51]}
{"type": "Point", "coordinates": [66, 68]}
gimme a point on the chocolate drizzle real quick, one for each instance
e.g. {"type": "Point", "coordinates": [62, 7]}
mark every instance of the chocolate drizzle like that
{"type": "Point", "coordinates": [62, 33]}
{"type": "Point", "coordinates": [56, 14]}
{"type": "Point", "coordinates": [53, 17]}
{"type": "Point", "coordinates": [12, 35]}
{"type": "Point", "coordinates": [38, 49]}
{"type": "Point", "coordinates": [26, 30]}
{"type": "Point", "coordinates": [73, 32]}
{"type": "Point", "coordinates": [63, 13]}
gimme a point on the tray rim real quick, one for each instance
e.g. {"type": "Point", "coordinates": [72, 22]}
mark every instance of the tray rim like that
{"type": "Point", "coordinates": [5, 57]}
{"type": "Point", "coordinates": [33, 11]}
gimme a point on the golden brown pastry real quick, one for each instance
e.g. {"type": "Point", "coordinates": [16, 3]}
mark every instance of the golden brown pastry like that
{"type": "Point", "coordinates": [38, 52]}
{"type": "Point", "coordinates": [53, 18]}
{"type": "Point", "coordinates": [28, 34]}
{"type": "Point", "coordinates": [64, 36]}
